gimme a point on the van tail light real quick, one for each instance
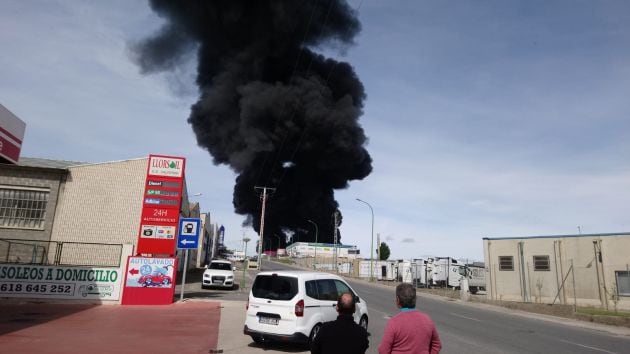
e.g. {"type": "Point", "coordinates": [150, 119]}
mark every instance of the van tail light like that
{"type": "Point", "coordinates": [299, 308]}
{"type": "Point", "coordinates": [247, 305]}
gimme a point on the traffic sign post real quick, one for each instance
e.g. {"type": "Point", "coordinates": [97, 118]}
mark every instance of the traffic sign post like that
{"type": "Point", "coordinates": [187, 238]}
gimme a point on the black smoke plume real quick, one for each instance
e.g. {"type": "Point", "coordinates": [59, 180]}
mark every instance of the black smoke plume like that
{"type": "Point", "coordinates": [270, 107]}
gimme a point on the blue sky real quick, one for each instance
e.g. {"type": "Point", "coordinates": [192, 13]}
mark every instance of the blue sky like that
{"type": "Point", "coordinates": [484, 118]}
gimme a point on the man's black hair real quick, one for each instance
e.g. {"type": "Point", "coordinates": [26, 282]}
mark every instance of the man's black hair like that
{"type": "Point", "coordinates": [406, 295]}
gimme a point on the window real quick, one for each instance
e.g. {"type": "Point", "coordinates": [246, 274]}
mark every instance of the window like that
{"type": "Point", "coordinates": [311, 289]}
{"type": "Point", "coordinates": [506, 263]}
{"type": "Point", "coordinates": [623, 282]}
{"type": "Point", "coordinates": [274, 287]}
{"type": "Point", "coordinates": [541, 263]}
{"type": "Point", "coordinates": [23, 207]}
{"type": "Point", "coordinates": [220, 266]}
{"type": "Point", "coordinates": [342, 288]}
{"type": "Point", "coordinates": [327, 290]}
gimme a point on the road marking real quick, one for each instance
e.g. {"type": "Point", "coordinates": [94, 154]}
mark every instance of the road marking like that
{"type": "Point", "coordinates": [586, 346]}
{"type": "Point", "coordinates": [468, 318]}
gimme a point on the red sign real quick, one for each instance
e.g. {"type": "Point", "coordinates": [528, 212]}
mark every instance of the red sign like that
{"type": "Point", "coordinates": [11, 135]}
{"type": "Point", "coordinates": [149, 281]}
{"type": "Point", "coordinates": [9, 150]}
{"type": "Point", "coordinates": [161, 205]}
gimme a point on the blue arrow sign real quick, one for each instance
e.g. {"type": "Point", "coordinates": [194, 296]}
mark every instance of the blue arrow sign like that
{"type": "Point", "coordinates": [188, 235]}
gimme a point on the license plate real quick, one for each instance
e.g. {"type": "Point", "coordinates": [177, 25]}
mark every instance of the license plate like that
{"type": "Point", "coordinates": [218, 282]}
{"type": "Point", "coordinates": [268, 320]}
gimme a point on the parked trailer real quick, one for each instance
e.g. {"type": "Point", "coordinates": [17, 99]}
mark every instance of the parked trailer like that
{"type": "Point", "coordinates": [405, 271]}
{"type": "Point", "coordinates": [476, 277]}
{"type": "Point", "coordinates": [381, 270]}
{"type": "Point", "coordinates": [422, 272]}
{"type": "Point", "coordinates": [446, 272]}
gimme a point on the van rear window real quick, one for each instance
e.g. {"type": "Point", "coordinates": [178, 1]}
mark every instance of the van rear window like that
{"type": "Point", "coordinates": [274, 287]}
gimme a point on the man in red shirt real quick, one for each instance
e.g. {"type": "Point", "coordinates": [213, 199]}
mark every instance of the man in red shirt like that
{"type": "Point", "coordinates": [410, 331]}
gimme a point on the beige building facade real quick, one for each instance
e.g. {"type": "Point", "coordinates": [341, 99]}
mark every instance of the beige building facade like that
{"type": "Point", "coordinates": [583, 270]}
{"type": "Point", "coordinates": [73, 203]}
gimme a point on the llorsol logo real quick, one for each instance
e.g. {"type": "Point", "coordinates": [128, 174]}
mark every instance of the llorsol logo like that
{"type": "Point", "coordinates": [162, 166]}
{"type": "Point", "coordinates": [163, 163]}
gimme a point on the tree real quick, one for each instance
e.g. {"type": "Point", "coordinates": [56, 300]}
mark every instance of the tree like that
{"type": "Point", "coordinates": [383, 252]}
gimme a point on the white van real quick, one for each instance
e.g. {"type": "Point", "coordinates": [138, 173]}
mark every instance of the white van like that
{"type": "Point", "coordinates": [291, 306]}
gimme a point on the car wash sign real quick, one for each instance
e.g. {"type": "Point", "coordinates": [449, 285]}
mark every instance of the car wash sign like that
{"type": "Point", "coordinates": [161, 205]}
{"type": "Point", "coordinates": [149, 281]}
{"type": "Point", "coordinates": [150, 272]}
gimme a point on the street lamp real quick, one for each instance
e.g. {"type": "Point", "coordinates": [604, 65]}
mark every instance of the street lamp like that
{"type": "Point", "coordinates": [371, 242]}
{"type": "Point", "coordinates": [316, 232]}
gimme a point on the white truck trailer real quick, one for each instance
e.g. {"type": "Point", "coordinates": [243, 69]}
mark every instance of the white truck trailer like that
{"type": "Point", "coordinates": [446, 272]}
{"type": "Point", "coordinates": [476, 277]}
{"type": "Point", "coordinates": [422, 272]}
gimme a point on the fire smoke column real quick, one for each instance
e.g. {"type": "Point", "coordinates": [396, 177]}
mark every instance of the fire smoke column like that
{"type": "Point", "coordinates": [270, 107]}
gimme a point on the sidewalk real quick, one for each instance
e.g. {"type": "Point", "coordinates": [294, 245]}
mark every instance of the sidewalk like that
{"type": "Point", "coordinates": [187, 327]}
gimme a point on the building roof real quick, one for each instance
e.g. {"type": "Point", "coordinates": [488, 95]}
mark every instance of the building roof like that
{"type": "Point", "coordinates": [339, 245]}
{"type": "Point", "coordinates": [46, 163]}
{"type": "Point", "coordinates": [559, 236]}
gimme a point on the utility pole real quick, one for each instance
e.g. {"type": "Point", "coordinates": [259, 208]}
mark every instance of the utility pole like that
{"type": "Point", "coordinates": [262, 221]}
{"type": "Point", "coordinates": [336, 215]}
{"type": "Point", "coordinates": [245, 261]}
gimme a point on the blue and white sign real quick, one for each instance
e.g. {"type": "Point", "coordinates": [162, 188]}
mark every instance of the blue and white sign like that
{"type": "Point", "coordinates": [188, 235]}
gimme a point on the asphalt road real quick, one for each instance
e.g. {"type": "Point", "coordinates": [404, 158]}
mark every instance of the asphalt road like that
{"type": "Point", "coordinates": [466, 328]}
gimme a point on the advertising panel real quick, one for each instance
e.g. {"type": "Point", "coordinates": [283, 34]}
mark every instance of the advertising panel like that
{"type": "Point", "coordinates": [149, 281]}
{"type": "Point", "coordinates": [150, 272]}
{"type": "Point", "coordinates": [53, 282]}
{"type": "Point", "coordinates": [161, 205]}
{"type": "Point", "coordinates": [11, 135]}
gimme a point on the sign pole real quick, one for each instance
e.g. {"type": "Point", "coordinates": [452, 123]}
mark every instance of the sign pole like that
{"type": "Point", "coordinates": [187, 238]}
{"type": "Point", "coordinates": [181, 293]}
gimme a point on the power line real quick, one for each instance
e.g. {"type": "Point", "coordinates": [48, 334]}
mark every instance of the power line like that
{"type": "Point", "coordinates": [304, 131]}
{"type": "Point", "coordinates": [297, 62]}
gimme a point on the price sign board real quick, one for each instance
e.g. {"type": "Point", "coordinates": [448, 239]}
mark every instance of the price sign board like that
{"type": "Point", "coordinates": [161, 205]}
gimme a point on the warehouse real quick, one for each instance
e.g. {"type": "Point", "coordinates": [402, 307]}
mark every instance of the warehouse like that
{"type": "Point", "coordinates": [581, 270]}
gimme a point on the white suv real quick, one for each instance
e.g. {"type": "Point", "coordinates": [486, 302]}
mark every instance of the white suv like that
{"type": "Point", "coordinates": [218, 274]}
{"type": "Point", "coordinates": [291, 306]}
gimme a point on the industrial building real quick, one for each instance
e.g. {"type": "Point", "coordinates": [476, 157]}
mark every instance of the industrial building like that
{"type": "Point", "coordinates": [323, 250]}
{"type": "Point", "coordinates": [580, 270]}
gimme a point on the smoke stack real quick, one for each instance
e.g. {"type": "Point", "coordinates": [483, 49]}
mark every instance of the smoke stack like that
{"type": "Point", "coordinates": [270, 107]}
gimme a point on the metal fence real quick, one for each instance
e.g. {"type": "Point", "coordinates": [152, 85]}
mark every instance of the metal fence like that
{"type": "Point", "coordinates": [60, 253]}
